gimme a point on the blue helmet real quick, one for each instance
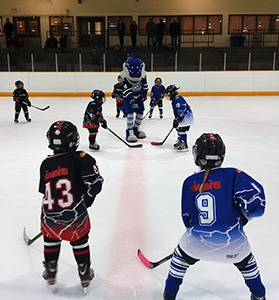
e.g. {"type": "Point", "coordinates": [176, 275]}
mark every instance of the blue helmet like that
{"type": "Point", "coordinates": [134, 69]}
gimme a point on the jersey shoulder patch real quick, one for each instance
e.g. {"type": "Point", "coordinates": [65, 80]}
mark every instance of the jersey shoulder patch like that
{"type": "Point", "coordinates": [82, 154]}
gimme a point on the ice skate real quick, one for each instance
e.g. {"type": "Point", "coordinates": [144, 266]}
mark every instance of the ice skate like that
{"type": "Point", "coordinates": [117, 115]}
{"type": "Point", "coordinates": [257, 298]}
{"type": "Point", "coordinates": [28, 120]}
{"type": "Point", "coordinates": [161, 115]}
{"type": "Point", "coordinates": [150, 116]}
{"type": "Point", "coordinates": [177, 143]}
{"type": "Point", "coordinates": [86, 274]}
{"type": "Point", "coordinates": [16, 120]}
{"type": "Point", "coordinates": [130, 137]}
{"type": "Point", "coordinates": [50, 272]}
{"type": "Point", "coordinates": [94, 146]}
{"type": "Point", "coordinates": [139, 134]}
{"type": "Point", "coordinates": [182, 146]}
{"type": "Point", "coordinates": [169, 297]}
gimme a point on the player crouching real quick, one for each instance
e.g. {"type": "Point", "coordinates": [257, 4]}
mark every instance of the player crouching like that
{"type": "Point", "coordinates": [183, 117]}
{"type": "Point", "coordinates": [93, 117]}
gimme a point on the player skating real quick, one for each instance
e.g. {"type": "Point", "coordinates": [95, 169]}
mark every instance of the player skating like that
{"type": "Point", "coordinates": [20, 96]}
{"type": "Point", "coordinates": [70, 181]}
{"type": "Point", "coordinates": [216, 203]}
{"type": "Point", "coordinates": [183, 117]}
{"type": "Point", "coordinates": [156, 97]}
{"type": "Point", "coordinates": [93, 117]}
{"type": "Point", "coordinates": [117, 94]}
{"type": "Point", "coordinates": [134, 95]}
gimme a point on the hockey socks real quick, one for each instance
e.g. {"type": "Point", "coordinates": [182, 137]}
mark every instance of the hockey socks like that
{"type": "Point", "coordinates": [178, 268]}
{"type": "Point", "coordinates": [251, 274]}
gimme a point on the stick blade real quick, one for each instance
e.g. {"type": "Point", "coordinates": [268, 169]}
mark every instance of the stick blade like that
{"type": "Point", "coordinates": [143, 259]}
{"type": "Point", "coordinates": [156, 144]}
{"type": "Point", "coordinates": [25, 237]}
{"type": "Point", "coordinates": [136, 146]}
{"type": "Point", "coordinates": [47, 107]}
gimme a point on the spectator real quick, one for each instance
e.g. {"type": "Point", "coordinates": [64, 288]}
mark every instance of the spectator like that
{"type": "Point", "coordinates": [133, 33]}
{"type": "Point", "coordinates": [63, 41]}
{"type": "Point", "coordinates": [13, 42]}
{"type": "Point", "coordinates": [160, 31]}
{"type": "Point", "coordinates": [51, 42]}
{"type": "Point", "coordinates": [151, 31]}
{"type": "Point", "coordinates": [175, 32]}
{"type": "Point", "coordinates": [8, 30]}
{"type": "Point", "coordinates": [121, 31]}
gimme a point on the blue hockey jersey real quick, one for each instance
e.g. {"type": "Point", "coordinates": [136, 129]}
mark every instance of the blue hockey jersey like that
{"type": "Point", "coordinates": [214, 229]}
{"type": "Point", "coordinates": [182, 108]}
{"type": "Point", "coordinates": [157, 92]}
{"type": "Point", "coordinates": [134, 95]}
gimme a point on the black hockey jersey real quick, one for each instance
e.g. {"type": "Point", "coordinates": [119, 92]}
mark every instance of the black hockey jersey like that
{"type": "Point", "coordinates": [118, 92]}
{"type": "Point", "coordinates": [21, 95]}
{"type": "Point", "coordinates": [93, 115]}
{"type": "Point", "coordinates": [69, 181]}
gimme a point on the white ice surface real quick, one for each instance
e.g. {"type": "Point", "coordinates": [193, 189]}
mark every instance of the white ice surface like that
{"type": "Point", "coordinates": [139, 206]}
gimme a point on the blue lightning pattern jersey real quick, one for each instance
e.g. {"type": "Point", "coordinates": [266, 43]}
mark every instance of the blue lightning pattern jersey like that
{"type": "Point", "coordinates": [181, 108]}
{"type": "Point", "coordinates": [134, 95]}
{"type": "Point", "coordinates": [214, 229]}
{"type": "Point", "coordinates": [157, 92]}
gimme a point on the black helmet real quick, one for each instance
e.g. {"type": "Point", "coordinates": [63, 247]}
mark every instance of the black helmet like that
{"type": "Point", "coordinates": [158, 79]}
{"type": "Point", "coordinates": [62, 136]}
{"type": "Point", "coordinates": [98, 96]}
{"type": "Point", "coordinates": [171, 90]}
{"type": "Point", "coordinates": [18, 82]}
{"type": "Point", "coordinates": [209, 151]}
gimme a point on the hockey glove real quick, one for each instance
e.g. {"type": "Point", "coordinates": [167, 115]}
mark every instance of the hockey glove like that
{"type": "Point", "coordinates": [179, 117]}
{"type": "Point", "coordinates": [175, 123]}
{"type": "Point", "coordinates": [113, 95]}
{"type": "Point", "coordinates": [104, 124]}
{"type": "Point", "coordinates": [28, 103]}
{"type": "Point", "coordinates": [153, 103]}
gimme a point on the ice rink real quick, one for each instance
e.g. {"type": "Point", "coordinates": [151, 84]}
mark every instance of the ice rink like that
{"type": "Point", "coordinates": [139, 206]}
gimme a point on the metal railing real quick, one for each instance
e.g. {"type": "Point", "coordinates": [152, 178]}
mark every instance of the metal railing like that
{"type": "Point", "coordinates": [171, 60]}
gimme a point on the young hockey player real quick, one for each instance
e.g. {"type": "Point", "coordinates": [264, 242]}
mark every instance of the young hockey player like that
{"type": "Point", "coordinates": [157, 94]}
{"type": "Point", "coordinates": [20, 96]}
{"type": "Point", "coordinates": [183, 117]}
{"type": "Point", "coordinates": [93, 117]}
{"type": "Point", "coordinates": [134, 95]}
{"type": "Point", "coordinates": [69, 181]}
{"type": "Point", "coordinates": [216, 204]}
{"type": "Point", "coordinates": [118, 95]}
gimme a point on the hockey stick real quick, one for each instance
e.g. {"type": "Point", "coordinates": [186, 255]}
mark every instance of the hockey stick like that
{"type": "Point", "coordinates": [161, 143]}
{"type": "Point", "coordinates": [152, 265]}
{"type": "Point", "coordinates": [39, 108]}
{"type": "Point", "coordinates": [146, 114]}
{"type": "Point", "coordinates": [29, 241]}
{"type": "Point", "coordinates": [131, 146]}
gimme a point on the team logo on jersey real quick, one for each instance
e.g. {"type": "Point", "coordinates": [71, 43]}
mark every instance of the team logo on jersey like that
{"type": "Point", "coordinates": [96, 170]}
{"type": "Point", "coordinates": [136, 87]}
{"type": "Point", "coordinates": [82, 154]}
{"type": "Point", "coordinates": [210, 185]}
{"type": "Point", "coordinates": [238, 171]}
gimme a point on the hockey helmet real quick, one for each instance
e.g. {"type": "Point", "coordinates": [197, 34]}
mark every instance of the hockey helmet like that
{"type": "Point", "coordinates": [172, 91]}
{"type": "Point", "coordinates": [158, 81]}
{"type": "Point", "coordinates": [98, 96]}
{"type": "Point", "coordinates": [62, 136]}
{"type": "Point", "coordinates": [209, 151]}
{"type": "Point", "coordinates": [18, 82]}
{"type": "Point", "coordinates": [134, 69]}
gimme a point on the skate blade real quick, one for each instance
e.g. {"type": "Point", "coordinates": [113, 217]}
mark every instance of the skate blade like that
{"type": "Point", "coordinates": [52, 288]}
{"type": "Point", "coordinates": [85, 289]}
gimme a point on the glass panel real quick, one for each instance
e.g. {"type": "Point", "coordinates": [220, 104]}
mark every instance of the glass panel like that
{"type": "Point", "coordinates": [187, 25]}
{"type": "Point", "coordinates": [261, 60]}
{"type": "Point", "coordinates": [34, 28]}
{"type": "Point", "coordinates": [235, 24]}
{"type": "Point", "coordinates": [44, 62]}
{"type": "Point", "coordinates": [55, 25]}
{"type": "Point", "coordinates": [98, 28]}
{"type": "Point", "coordinates": [237, 59]}
{"type": "Point", "coordinates": [249, 23]}
{"type": "Point", "coordinates": [68, 62]}
{"type": "Point", "coordinates": [188, 60]}
{"type": "Point", "coordinates": [164, 61]}
{"type": "Point", "coordinates": [68, 25]}
{"type": "Point", "coordinates": [114, 20]}
{"type": "Point", "coordinates": [263, 23]}
{"type": "Point", "coordinates": [92, 60]}
{"type": "Point", "coordinates": [200, 24]}
{"type": "Point", "coordinates": [20, 27]}
{"type": "Point", "coordinates": [213, 60]}
{"type": "Point", "coordinates": [215, 24]}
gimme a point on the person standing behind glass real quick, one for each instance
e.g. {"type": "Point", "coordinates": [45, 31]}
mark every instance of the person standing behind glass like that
{"type": "Point", "coordinates": [175, 32]}
{"type": "Point", "coordinates": [160, 31]}
{"type": "Point", "coordinates": [121, 31]}
{"type": "Point", "coordinates": [151, 31]}
{"type": "Point", "coordinates": [8, 30]}
{"type": "Point", "coordinates": [133, 33]}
